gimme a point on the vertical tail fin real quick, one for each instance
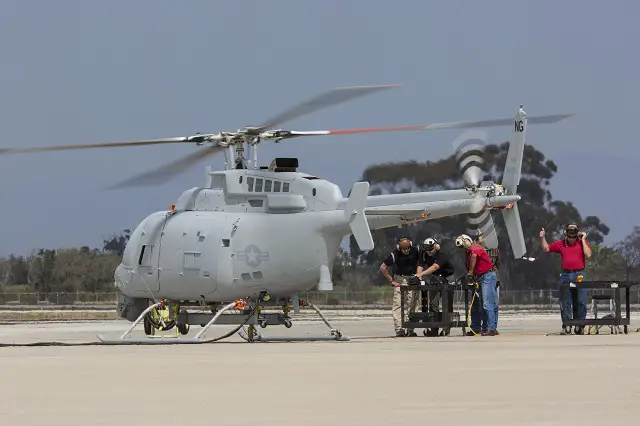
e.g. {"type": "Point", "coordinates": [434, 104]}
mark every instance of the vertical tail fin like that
{"type": "Point", "coordinates": [513, 165]}
{"type": "Point", "coordinates": [510, 181]}
{"type": "Point", "coordinates": [354, 213]}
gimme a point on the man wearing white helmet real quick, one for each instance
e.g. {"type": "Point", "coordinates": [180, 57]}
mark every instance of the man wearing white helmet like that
{"type": "Point", "coordinates": [480, 268]}
{"type": "Point", "coordinates": [434, 262]}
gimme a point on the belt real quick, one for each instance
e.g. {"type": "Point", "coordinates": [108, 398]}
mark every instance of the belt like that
{"type": "Point", "coordinates": [572, 270]}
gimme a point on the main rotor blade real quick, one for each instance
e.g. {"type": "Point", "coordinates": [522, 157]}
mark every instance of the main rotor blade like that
{"type": "Point", "coordinates": [545, 119]}
{"type": "Point", "coordinates": [168, 171]}
{"type": "Point", "coordinates": [94, 145]}
{"type": "Point", "coordinates": [323, 100]}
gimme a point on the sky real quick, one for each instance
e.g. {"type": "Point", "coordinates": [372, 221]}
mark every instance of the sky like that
{"type": "Point", "coordinates": [81, 72]}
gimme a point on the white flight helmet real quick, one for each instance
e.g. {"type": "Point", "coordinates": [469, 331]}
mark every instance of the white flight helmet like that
{"type": "Point", "coordinates": [429, 244]}
{"type": "Point", "coordinates": [463, 241]}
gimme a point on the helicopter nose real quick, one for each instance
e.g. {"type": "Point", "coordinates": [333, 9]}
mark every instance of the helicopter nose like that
{"type": "Point", "coordinates": [122, 277]}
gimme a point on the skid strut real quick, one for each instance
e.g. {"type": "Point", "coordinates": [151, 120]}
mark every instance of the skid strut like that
{"type": "Point", "coordinates": [251, 319]}
{"type": "Point", "coordinates": [253, 335]}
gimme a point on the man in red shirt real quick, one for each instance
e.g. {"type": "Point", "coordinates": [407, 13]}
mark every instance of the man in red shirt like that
{"type": "Point", "coordinates": [480, 268]}
{"type": "Point", "coordinates": [573, 250]}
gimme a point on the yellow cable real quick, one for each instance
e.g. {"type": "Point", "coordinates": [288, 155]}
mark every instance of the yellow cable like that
{"type": "Point", "coordinates": [475, 286]}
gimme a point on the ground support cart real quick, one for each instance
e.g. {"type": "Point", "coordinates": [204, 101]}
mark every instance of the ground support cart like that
{"type": "Point", "coordinates": [447, 318]}
{"type": "Point", "coordinates": [614, 319]}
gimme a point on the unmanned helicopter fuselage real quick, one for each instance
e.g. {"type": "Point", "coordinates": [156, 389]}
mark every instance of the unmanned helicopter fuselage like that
{"type": "Point", "coordinates": [274, 230]}
{"type": "Point", "coordinates": [253, 230]}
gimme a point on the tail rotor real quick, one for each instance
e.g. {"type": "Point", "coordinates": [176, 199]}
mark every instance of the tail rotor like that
{"type": "Point", "coordinates": [469, 148]}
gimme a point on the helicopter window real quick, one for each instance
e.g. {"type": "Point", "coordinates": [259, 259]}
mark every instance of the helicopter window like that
{"type": "Point", "coordinates": [255, 203]}
{"type": "Point", "coordinates": [246, 276]}
{"type": "Point", "coordinates": [225, 242]}
{"type": "Point", "coordinates": [250, 184]}
{"type": "Point", "coordinates": [267, 186]}
{"type": "Point", "coordinates": [240, 179]}
{"type": "Point", "coordinates": [276, 186]}
{"type": "Point", "coordinates": [285, 187]}
{"type": "Point", "coordinates": [257, 275]}
{"type": "Point", "coordinates": [314, 192]}
{"type": "Point", "coordinates": [145, 256]}
{"type": "Point", "coordinates": [258, 185]}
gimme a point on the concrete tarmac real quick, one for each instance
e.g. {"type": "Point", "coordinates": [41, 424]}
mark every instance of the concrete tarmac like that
{"type": "Point", "coordinates": [522, 377]}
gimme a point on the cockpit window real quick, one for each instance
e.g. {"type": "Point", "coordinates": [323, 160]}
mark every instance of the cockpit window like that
{"type": "Point", "coordinates": [285, 187]}
{"type": "Point", "coordinates": [250, 183]}
{"type": "Point", "coordinates": [276, 186]}
{"type": "Point", "coordinates": [258, 185]}
{"type": "Point", "coordinates": [267, 186]}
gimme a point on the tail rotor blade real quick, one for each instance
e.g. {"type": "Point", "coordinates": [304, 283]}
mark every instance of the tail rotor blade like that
{"type": "Point", "coordinates": [470, 156]}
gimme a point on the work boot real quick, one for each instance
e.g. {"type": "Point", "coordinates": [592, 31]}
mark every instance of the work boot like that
{"type": "Point", "coordinates": [471, 332]}
{"type": "Point", "coordinates": [400, 333]}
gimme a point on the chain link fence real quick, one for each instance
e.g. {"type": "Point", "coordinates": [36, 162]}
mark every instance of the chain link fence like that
{"type": "Point", "coordinates": [375, 297]}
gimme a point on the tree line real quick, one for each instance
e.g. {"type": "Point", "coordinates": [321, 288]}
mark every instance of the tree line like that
{"type": "Point", "coordinates": [538, 209]}
{"type": "Point", "coordinates": [86, 269]}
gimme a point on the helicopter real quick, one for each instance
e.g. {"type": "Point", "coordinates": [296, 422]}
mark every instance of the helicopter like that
{"type": "Point", "coordinates": [259, 234]}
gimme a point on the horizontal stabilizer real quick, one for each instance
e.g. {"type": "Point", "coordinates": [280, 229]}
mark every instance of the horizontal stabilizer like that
{"type": "Point", "coordinates": [355, 215]}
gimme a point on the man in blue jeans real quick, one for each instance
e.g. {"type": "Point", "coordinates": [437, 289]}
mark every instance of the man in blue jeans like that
{"type": "Point", "coordinates": [573, 250]}
{"type": "Point", "coordinates": [481, 269]}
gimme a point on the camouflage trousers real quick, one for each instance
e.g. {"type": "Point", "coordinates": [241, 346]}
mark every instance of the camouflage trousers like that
{"type": "Point", "coordinates": [411, 302]}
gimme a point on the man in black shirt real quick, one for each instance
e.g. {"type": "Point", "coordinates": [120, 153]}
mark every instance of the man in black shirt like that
{"type": "Point", "coordinates": [403, 262]}
{"type": "Point", "coordinates": [436, 263]}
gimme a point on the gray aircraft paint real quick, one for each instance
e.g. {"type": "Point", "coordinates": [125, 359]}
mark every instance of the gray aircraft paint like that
{"type": "Point", "coordinates": [224, 242]}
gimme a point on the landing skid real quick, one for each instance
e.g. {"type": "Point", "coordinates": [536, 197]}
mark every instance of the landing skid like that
{"type": "Point", "coordinates": [249, 317]}
{"type": "Point", "coordinates": [253, 335]}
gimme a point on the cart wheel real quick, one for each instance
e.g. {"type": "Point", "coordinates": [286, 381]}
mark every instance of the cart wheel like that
{"type": "Point", "coordinates": [464, 331]}
{"type": "Point", "coordinates": [424, 332]}
{"type": "Point", "coordinates": [626, 330]}
{"type": "Point", "coordinates": [445, 332]}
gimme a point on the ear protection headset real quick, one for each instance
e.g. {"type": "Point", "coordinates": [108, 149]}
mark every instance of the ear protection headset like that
{"type": "Point", "coordinates": [403, 239]}
{"type": "Point", "coordinates": [572, 229]}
